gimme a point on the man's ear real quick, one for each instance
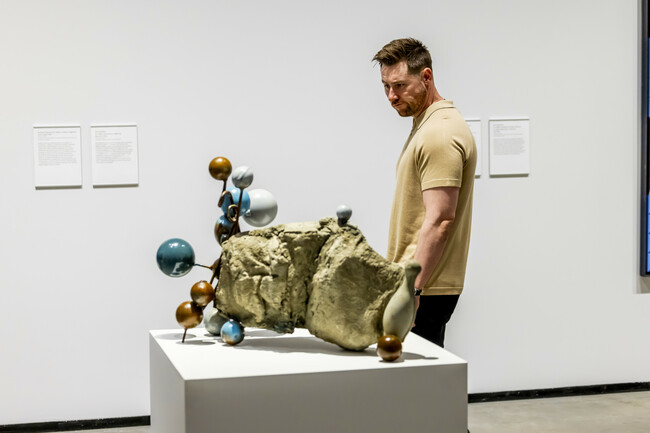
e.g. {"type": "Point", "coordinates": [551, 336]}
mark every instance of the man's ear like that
{"type": "Point", "coordinates": [426, 75]}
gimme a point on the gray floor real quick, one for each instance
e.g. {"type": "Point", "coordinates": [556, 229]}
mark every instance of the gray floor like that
{"type": "Point", "coordinates": [609, 413]}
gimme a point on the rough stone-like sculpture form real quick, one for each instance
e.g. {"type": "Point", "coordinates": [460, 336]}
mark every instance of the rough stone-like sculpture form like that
{"type": "Point", "coordinates": [317, 275]}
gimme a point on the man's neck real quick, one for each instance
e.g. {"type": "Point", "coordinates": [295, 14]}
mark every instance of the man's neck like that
{"type": "Point", "coordinates": [431, 99]}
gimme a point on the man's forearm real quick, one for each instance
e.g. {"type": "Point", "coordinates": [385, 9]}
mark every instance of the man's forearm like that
{"type": "Point", "coordinates": [431, 243]}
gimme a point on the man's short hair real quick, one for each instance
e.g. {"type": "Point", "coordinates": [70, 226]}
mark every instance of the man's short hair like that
{"type": "Point", "coordinates": [413, 51]}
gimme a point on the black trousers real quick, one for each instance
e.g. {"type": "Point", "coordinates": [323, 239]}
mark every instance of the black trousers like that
{"type": "Point", "coordinates": [432, 317]}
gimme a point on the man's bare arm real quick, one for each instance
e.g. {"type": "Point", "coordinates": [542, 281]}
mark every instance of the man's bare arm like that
{"type": "Point", "coordinates": [440, 212]}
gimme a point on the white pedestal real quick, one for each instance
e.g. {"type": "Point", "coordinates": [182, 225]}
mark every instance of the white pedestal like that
{"type": "Point", "coordinates": [300, 384]}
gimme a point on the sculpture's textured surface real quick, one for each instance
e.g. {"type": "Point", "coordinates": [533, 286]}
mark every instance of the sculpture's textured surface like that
{"type": "Point", "coordinates": [318, 276]}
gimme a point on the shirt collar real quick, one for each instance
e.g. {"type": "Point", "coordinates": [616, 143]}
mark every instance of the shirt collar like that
{"type": "Point", "coordinates": [438, 105]}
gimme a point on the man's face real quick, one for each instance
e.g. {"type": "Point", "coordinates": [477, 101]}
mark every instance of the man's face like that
{"type": "Point", "coordinates": [406, 92]}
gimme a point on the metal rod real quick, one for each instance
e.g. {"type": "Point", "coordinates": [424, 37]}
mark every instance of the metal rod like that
{"type": "Point", "coordinates": [223, 196]}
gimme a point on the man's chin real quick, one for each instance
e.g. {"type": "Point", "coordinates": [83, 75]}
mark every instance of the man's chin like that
{"type": "Point", "coordinates": [402, 113]}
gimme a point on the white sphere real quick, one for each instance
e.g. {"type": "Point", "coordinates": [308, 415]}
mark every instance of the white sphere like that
{"type": "Point", "coordinates": [213, 321]}
{"type": "Point", "coordinates": [242, 177]}
{"type": "Point", "coordinates": [264, 208]}
{"type": "Point", "coordinates": [344, 212]}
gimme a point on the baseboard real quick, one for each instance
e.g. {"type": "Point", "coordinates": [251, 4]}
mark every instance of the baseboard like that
{"type": "Point", "coordinates": [41, 427]}
{"type": "Point", "coordinates": [558, 392]}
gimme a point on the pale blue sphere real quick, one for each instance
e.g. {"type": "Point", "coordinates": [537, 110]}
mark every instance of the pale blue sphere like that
{"type": "Point", "coordinates": [245, 201]}
{"type": "Point", "coordinates": [232, 332]}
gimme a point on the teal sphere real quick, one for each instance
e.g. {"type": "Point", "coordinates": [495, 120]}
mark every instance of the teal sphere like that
{"type": "Point", "coordinates": [232, 332]}
{"type": "Point", "coordinates": [245, 201]}
{"type": "Point", "coordinates": [175, 257]}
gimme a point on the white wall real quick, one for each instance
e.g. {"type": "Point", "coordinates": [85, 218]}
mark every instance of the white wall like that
{"type": "Point", "coordinates": [287, 87]}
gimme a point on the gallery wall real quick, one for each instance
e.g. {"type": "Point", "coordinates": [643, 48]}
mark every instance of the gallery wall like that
{"type": "Point", "coordinates": [552, 296]}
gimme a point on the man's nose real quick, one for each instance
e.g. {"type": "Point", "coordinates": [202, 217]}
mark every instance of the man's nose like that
{"type": "Point", "coordinates": [391, 95]}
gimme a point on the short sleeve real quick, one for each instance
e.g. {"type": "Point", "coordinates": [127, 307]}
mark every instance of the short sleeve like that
{"type": "Point", "coordinates": [439, 160]}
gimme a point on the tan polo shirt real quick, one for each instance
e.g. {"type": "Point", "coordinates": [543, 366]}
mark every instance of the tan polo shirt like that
{"type": "Point", "coordinates": [440, 151]}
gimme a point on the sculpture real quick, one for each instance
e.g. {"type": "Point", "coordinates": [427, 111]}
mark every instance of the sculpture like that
{"type": "Point", "coordinates": [321, 275]}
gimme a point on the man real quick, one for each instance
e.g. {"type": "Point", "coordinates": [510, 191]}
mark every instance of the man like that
{"type": "Point", "coordinates": [432, 208]}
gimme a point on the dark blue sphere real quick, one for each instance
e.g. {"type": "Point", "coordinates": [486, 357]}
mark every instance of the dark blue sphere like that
{"type": "Point", "coordinates": [232, 332]}
{"type": "Point", "coordinates": [225, 222]}
{"type": "Point", "coordinates": [175, 257]}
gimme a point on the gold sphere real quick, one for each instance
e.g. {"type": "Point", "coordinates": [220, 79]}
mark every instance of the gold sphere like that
{"type": "Point", "coordinates": [220, 168]}
{"type": "Point", "coordinates": [189, 315]}
{"type": "Point", "coordinates": [202, 293]}
{"type": "Point", "coordinates": [389, 348]}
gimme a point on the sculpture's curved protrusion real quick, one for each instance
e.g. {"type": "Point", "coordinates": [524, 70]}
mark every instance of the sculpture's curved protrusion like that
{"type": "Point", "coordinates": [400, 311]}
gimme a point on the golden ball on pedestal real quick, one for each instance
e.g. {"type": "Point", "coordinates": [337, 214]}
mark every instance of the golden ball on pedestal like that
{"type": "Point", "coordinates": [389, 348]}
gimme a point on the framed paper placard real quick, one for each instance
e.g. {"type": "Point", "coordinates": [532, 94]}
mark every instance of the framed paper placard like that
{"type": "Point", "coordinates": [57, 156]}
{"type": "Point", "coordinates": [509, 146]}
{"type": "Point", "coordinates": [475, 127]}
{"type": "Point", "coordinates": [114, 155]}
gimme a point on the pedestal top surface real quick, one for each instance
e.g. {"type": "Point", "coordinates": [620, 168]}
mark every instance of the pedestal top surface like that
{"type": "Point", "coordinates": [265, 353]}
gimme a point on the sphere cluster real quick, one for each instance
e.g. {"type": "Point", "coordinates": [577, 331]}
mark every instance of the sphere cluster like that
{"type": "Point", "coordinates": [257, 207]}
{"type": "Point", "coordinates": [175, 256]}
